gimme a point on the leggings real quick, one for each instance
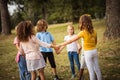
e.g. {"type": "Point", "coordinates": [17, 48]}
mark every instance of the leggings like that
{"type": "Point", "coordinates": [91, 59]}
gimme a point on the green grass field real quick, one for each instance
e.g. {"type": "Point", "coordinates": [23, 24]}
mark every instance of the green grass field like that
{"type": "Point", "coordinates": [109, 55]}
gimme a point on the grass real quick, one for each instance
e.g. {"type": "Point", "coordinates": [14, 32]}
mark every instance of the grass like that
{"type": "Point", "coordinates": [109, 53]}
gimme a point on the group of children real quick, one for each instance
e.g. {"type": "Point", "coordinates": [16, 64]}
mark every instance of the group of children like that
{"type": "Point", "coordinates": [33, 50]}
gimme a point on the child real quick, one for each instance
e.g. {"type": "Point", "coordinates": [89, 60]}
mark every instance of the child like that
{"type": "Point", "coordinates": [29, 45]}
{"type": "Point", "coordinates": [45, 36]}
{"type": "Point", "coordinates": [73, 50]}
{"type": "Point", "coordinates": [20, 59]}
{"type": "Point", "coordinates": [89, 36]}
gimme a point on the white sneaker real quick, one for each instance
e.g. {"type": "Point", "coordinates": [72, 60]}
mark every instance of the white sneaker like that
{"type": "Point", "coordinates": [56, 79]}
{"type": "Point", "coordinates": [73, 76]}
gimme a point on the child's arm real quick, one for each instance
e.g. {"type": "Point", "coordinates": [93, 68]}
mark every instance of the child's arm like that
{"type": "Point", "coordinates": [95, 37]}
{"type": "Point", "coordinates": [79, 47]}
{"type": "Point", "coordinates": [96, 40]}
{"type": "Point", "coordinates": [54, 43]}
{"type": "Point", "coordinates": [69, 41]}
{"type": "Point", "coordinates": [41, 43]}
{"type": "Point", "coordinates": [54, 46]}
{"type": "Point", "coordinates": [57, 49]}
{"type": "Point", "coordinates": [21, 50]}
{"type": "Point", "coordinates": [17, 46]}
{"type": "Point", "coordinates": [16, 43]}
{"type": "Point", "coordinates": [44, 44]}
{"type": "Point", "coordinates": [60, 49]}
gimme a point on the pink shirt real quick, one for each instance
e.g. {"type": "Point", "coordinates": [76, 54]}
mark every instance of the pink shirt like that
{"type": "Point", "coordinates": [31, 48]}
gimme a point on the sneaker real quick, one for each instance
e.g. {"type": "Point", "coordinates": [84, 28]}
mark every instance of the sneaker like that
{"type": "Point", "coordinates": [73, 76]}
{"type": "Point", "coordinates": [56, 77]}
{"type": "Point", "coordinates": [38, 78]}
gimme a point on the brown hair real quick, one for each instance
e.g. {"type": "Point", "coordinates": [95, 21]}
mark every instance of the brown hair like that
{"type": "Point", "coordinates": [85, 22]}
{"type": "Point", "coordinates": [41, 25]}
{"type": "Point", "coordinates": [25, 30]}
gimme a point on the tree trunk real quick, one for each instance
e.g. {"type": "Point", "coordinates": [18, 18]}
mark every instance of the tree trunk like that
{"type": "Point", "coordinates": [75, 10]}
{"type": "Point", "coordinates": [5, 18]}
{"type": "Point", "coordinates": [44, 11]}
{"type": "Point", "coordinates": [112, 19]}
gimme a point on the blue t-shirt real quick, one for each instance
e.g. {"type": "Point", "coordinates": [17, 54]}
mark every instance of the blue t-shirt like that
{"type": "Point", "coordinates": [45, 37]}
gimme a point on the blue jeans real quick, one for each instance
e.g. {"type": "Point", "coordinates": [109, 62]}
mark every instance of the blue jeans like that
{"type": "Point", "coordinates": [73, 56]}
{"type": "Point", "coordinates": [24, 74]}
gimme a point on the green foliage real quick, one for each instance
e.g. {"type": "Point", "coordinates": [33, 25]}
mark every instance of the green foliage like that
{"type": "Point", "coordinates": [16, 18]}
{"type": "Point", "coordinates": [58, 11]}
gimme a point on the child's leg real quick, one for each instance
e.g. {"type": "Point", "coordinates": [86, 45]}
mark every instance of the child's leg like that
{"type": "Point", "coordinates": [38, 75]}
{"type": "Point", "coordinates": [96, 66]}
{"type": "Point", "coordinates": [22, 67]}
{"type": "Point", "coordinates": [89, 63]}
{"type": "Point", "coordinates": [81, 74]}
{"type": "Point", "coordinates": [76, 57]}
{"type": "Point", "coordinates": [70, 56]}
{"type": "Point", "coordinates": [83, 65]}
{"type": "Point", "coordinates": [28, 75]}
{"type": "Point", "coordinates": [25, 75]}
{"type": "Point", "coordinates": [33, 75]}
{"type": "Point", "coordinates": [41, 72]}
{"type": "Point", "coordinates": [52, 63]}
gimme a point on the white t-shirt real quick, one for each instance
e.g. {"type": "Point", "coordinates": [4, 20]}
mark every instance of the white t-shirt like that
{"type": "Point", "coordinates": [72, 46]}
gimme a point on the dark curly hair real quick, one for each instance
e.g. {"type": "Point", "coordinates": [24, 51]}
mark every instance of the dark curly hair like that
{"type": "Point", "coordinates": [41, 25]}
{"type": "Point", "coordinates": [85, 22]}
{"type": "Point", "coordinates": [25, 30]}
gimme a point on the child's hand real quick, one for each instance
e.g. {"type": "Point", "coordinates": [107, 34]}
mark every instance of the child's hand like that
{"type": "Point", "coordinates": [56, 49]}
{"type": "Point", "coordinates": [79, 50]}
{"type": "Point", "coordinates": [55, 46]}
{"type": "Point", "coordinates": [60, 49]}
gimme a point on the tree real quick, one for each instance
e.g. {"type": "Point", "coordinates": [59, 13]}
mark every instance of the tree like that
{"type": "Point", "coordinates": [112, 19]}
{"type": "Point", "coordinates": [76, 9]}
{"type": "Point", "coordinates": [5, 18]}
{"type": "Point", "coordinates": [57, 11]}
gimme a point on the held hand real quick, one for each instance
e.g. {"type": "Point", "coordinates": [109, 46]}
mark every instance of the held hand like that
{"type": "Point", "coordinates": [55, 47]}
{"type": "Point", "coordinates": [60, 49]}
{"type": "Point", "coordinates": [79, 50]}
